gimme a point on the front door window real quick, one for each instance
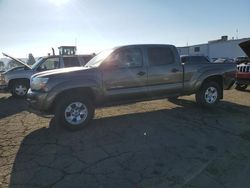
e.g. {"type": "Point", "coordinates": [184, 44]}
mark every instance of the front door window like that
{"type": "Point", "coordinates": [49, 64]}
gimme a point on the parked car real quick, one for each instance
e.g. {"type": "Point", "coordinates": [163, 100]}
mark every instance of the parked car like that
{"type": "Point", "coordinates": [213, 59]}
{"type": "Point", "coordinates": [223, 60]}
{"type": "Point", "coordinates": [125, 74]}
{"type": "Point", "coordinates": [17, 79]}
{"type": "Point", "coordinates": [239, 60]}
{"type": "Point", "coordinates": [243, 70]}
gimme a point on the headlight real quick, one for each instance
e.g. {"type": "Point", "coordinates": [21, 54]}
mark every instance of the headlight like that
{"type": "Point", "coordinates": [39, 83]}
{"type": "Point", "coordinates": [2, 79]}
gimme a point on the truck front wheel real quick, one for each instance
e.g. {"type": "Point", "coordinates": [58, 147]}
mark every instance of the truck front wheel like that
{"type": "Point", "coordinates": [19, 89]}
{"type": "Point", "coordinates": [208, 94]}
{"type": "Point", "coordinates": [74, 113]}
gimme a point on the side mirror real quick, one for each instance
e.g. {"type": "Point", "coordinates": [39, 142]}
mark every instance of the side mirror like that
{"type": "Point", "coordinates": [183, 60]}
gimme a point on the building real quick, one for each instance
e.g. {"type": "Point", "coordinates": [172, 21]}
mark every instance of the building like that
{"type": "Point", "coordinates": [221, 48]}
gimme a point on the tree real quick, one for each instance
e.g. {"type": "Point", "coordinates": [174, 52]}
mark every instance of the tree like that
{"type": "Point", "coordinates": [31, 60]}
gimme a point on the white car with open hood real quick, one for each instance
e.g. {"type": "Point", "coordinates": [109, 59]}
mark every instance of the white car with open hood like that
{"type": "Point", "coordinates": [17, 79]}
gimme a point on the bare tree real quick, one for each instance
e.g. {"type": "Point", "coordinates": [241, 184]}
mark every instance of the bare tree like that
{"type": "Point", "coordinates": [31, 60]}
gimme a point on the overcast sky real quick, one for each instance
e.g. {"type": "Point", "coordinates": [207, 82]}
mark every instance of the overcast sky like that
{"type": "Point", "coordinates": [34, 26]}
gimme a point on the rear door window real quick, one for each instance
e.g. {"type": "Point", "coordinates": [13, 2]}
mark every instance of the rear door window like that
{"type": "Point", "coordinates": [158, 56]}
{"type": "Point", "coordinates": [73, 61]}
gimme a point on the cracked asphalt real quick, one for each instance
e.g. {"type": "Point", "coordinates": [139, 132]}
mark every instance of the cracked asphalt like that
{"type": "Point", "coordinates": [147, 144]}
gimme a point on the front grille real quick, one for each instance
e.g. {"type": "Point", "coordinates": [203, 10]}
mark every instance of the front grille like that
{"type": "Point", "coordinates": [243, 68]}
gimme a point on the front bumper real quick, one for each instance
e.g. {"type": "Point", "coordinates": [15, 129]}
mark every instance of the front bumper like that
{"type": "Point", "coordinates": [243, 81]}
{"type": "Point", "coordinates": [245, 75]}
{"type": "Point", "coordinates": [243, 78]}
{"type": "Point", "coordinates": [37, 103]}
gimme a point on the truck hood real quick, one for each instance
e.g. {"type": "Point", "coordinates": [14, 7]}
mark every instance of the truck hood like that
{"type": "Point", "coordinates": [61, 71]}
{"type": "Point", "coordinates": [17, 60]}
{"type": "Point", "coordinates": [245, 46]}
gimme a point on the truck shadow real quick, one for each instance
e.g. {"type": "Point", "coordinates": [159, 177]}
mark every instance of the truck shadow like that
{"type": "Point", "coordinates": [245, 91]}
{"type": "Point", "coordinates": [118, 151]}
{"type": "Point", "coordinates": [222, 105]}
{"type": "Point", "coordinates": [10, 106]}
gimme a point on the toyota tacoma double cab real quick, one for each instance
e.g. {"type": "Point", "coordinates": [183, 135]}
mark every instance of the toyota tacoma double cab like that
{"type": "Point", "coordinates": [243, 69]}
{"type": "Point", "coordinates": [125, 74]}
{"type": "Point", "coordinates": [17, 80]}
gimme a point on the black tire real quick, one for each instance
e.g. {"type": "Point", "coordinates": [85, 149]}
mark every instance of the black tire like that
{"type": "Point", "coordinates": [241, 87]}
{"type": "Point", "coordinates": [66, 101]}
{"type": "Point", "coordinates": [203, 98]}
{"type": "Point", "coordinates": [18, 85]}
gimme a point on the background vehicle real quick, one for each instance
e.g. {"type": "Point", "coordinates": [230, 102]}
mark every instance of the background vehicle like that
{"type": "Point", "coordinates": [243, 69]}
{"type": "Point", "coordinates": [223, 60]}
{"type": "Point", "coordinates": [194, 59]}
{"type": "Point", "coordinates": [125, 74]}
{"type": "Point", "coordinates": [17, 80]}
{"type": "Point", "coordinates": [239, 60]}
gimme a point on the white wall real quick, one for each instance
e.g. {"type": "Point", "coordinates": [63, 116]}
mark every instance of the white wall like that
{"type": "Point", "coordinates": [183, 50]}
{"type": "Point", "coordinates": [228, 49]}
{"type": "Point", "coordinates": [203, 50]}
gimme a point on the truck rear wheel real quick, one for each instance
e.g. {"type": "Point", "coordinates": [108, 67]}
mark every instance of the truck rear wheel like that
{"type": "Point", "coordinates": [19, 89]}
{"type": "Point", "coordinates": [208, 94]}
{"type": "Point", "coordinates": [241, 87]}
{"type": "Point", "coordinates": [74, 112]}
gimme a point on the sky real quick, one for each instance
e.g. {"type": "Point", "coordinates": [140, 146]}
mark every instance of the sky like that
{"type": "Point", "coordinates": [34, 26]}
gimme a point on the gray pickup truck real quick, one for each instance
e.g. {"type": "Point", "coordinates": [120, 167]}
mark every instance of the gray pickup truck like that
{"type": "Point", "coordinates": [17, 79]}
{"type": "Point", "coordinates": [125, 74]}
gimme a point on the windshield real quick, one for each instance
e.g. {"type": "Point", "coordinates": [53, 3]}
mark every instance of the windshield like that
{"type": "Point", "coordinates": [99, 58]}
{"type": "Point", "coordinates": [34, 66]}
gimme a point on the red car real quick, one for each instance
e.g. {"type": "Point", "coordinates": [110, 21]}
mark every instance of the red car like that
{"type": "Point", "coordinates": [243, 73]}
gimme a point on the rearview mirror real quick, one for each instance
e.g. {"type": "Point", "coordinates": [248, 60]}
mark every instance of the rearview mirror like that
{"type": "Point", "coordinates": [183, 60]}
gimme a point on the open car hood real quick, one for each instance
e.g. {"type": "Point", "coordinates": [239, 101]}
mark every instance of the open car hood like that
{"type": "Point", "coordinates": [17, 60]}
{"type": "Point", "coordinates": [245, 46]}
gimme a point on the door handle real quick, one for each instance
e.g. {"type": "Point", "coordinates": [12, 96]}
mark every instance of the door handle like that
{"type": "Point", "coordinates": [174, 70]}
{"type": "Point", "coordinates": [141, 73]}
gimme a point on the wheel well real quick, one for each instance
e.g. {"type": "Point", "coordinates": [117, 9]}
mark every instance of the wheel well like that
{"type": "Point", "coordinates": [83, 91]}
{"type": "Point", "coordinates": [25, 80]}
{"type": "Point", "coordinates": [218, 79]}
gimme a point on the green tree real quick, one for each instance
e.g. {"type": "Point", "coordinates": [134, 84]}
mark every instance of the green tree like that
{"type": "Point", "coordinates": [31, 60]}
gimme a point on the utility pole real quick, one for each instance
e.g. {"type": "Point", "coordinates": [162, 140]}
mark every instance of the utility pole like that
{"type": "Point", "coordinates": [188, 48]}
{"type": "Point", "coordinates": [237, 33]}
{"type": "Point", "coordinates": [76, 41]}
